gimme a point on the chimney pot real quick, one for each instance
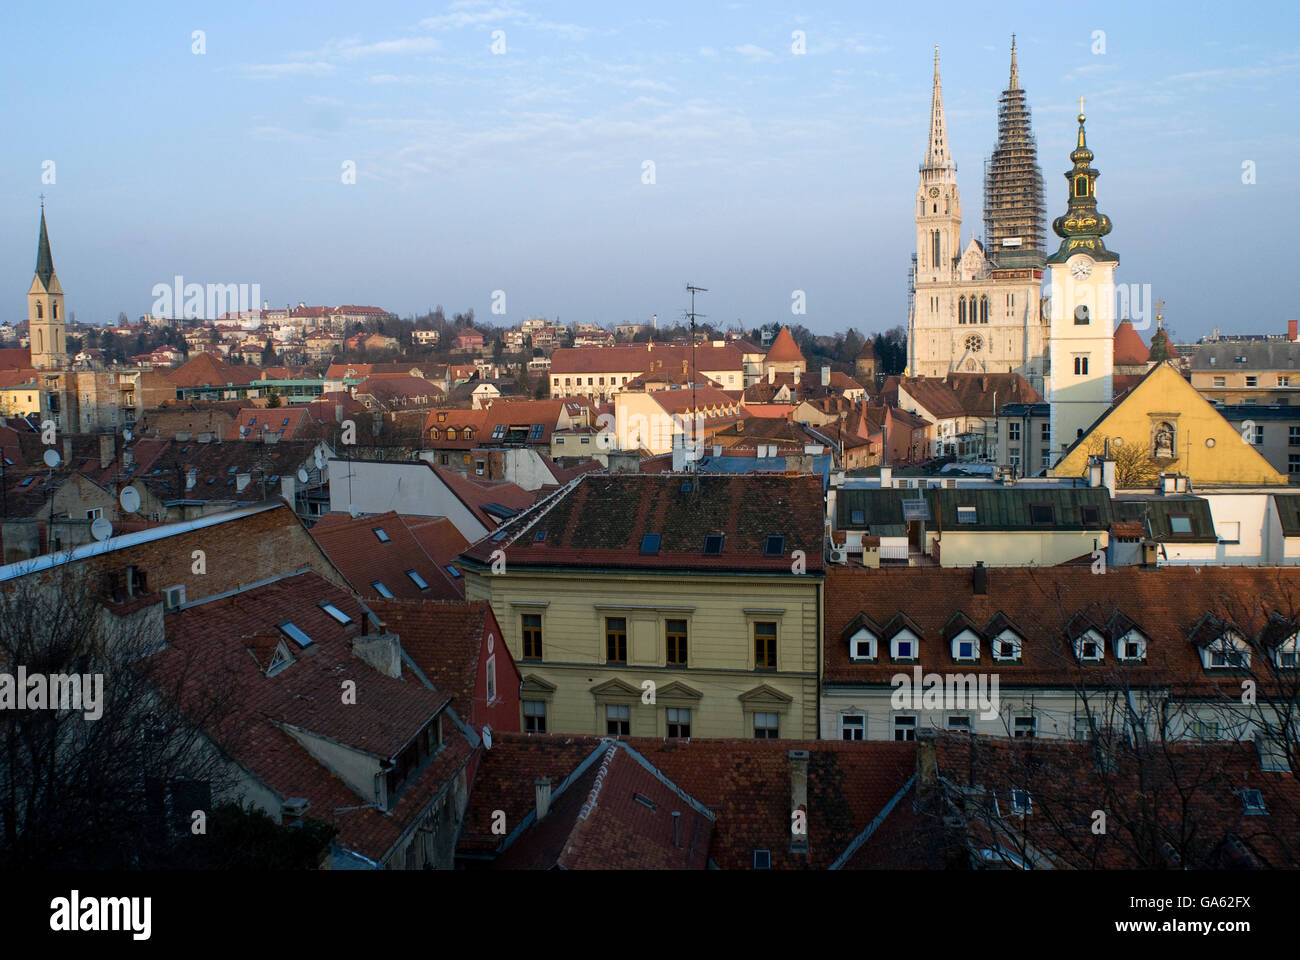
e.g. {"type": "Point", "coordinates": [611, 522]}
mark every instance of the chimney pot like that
{"type": "Point", "coordinates": [542, 789]}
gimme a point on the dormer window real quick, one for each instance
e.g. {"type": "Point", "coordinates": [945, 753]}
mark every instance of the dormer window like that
{"type": "Point", "coordinates": [1226, 652]}
{"type": "Point", "coordinates": [1006, 646]}
{"type": "Point", "coordinates": [1021, 803]}
{"type": "Point", "coordinates": [1131, 646]}
{"type": "Point", "coordinates": [279, 660]}
{"type": "Point", "coordinates": [862, 645]}
{"type": "Point", "coordinates": [965, 646]}
{"type": "Point", "coordinates": [1089, 647]}
{"type": "Point", "coordinates": [904, 646]}
{"type": "Point", "coordinates": [1286, 655]}
{"type": "Point", "coordinates": [1253, 802]}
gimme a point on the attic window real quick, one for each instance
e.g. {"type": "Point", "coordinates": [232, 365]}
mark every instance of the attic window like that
{"type": "Point", "coordinates": [858, 517]}
{"type": "Point", "coordinates": [713, 543]}
{"type": "Point", "coordinates": [650, 543]}
{"type": "Point", "coordinates": [279, 660]}
{"type": "Point", "coordinates": [498, 431]}
{"type": "Point", "coordinates": [774, 545]}
{"type": "Point", "coordinates": [1090, 513]}
{"type": "Point", "coordinates": [336, 613]}
{"type": "Point", "coordinates": [379, 533]}
{"type": "Point", "coordinates": [452, 572]}
{"type": "Point", "coordinates": [1042, 513]}
{"type": "Point", "coordinates": [1180, 524]}
{"type": "Point", "coordinates": [382, 590]}
{"type": "Point", "coordinates": [418, 580]}
{"type": "Point", "coordinates": [539, 536]}
{"type": "Point", "coordinates": [1253, 801]}
{"type": "Point", "coordinates": [1021, 803]}
{"type": "Point", "coordinates": [965, 514]}
{"type": "Point", "coordinates": [294, 633]}
{"type": "Point", "coordinates": [535, 432]}
{"type": "Point", "coordinates": [645, 801]}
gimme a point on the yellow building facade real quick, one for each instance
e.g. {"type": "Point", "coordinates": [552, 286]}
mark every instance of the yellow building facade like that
{"type": "Point", "coordinates": [1164, 425]}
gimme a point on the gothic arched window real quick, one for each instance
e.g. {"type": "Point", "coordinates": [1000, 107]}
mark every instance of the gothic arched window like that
{"type": "Point", "coordinates": [984, 309]}
{"type": "Point", "coordinates": [54, 307]}
{"type": "Point", "coordinates": [961, 310]}
{"type": "Point", "coordinates": [934, 242]}
{"type": "Point", "coordinates": [39, 312]}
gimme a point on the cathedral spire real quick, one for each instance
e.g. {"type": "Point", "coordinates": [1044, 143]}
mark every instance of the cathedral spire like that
{"type": "Point", "coordinates": [1014, 83]}
{"type": "Point", "coordinates": [44, 259]}
{"type": "Point", "coordinates": [937, 157]}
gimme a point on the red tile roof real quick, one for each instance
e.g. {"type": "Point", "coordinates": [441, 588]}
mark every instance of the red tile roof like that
{"type": "Point", "coordinates": [352, 545]}
{"type": "Point", "coordinates": [203, 369]}
{"type": "Point", "coordinates": [1129, 348]}
{"type": "Point", "coordinates": [784, 349]}
{"type": "Point", "coordinates": [444, 638]}
{"type": "Point", "coordinates": [644, 358]}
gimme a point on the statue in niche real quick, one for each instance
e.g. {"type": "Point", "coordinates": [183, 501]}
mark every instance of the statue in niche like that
{"type": "Point", "coordinates": [1162, 445]}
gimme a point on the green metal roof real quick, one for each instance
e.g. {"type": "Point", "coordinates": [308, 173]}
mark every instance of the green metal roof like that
{"type": "Point", "coordinates": [44, 259]}
{"type": "Point", "coordinates": [996, 508]}
{"type": "Point", "coordinates": [1161, 510]}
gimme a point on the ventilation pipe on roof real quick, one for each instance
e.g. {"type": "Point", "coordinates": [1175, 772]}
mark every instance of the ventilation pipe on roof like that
{"type": "Point", "coordinates": [677, 828]}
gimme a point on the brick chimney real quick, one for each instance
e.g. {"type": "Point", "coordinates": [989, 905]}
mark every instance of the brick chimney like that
{"type": "Point", "coordinates": [1291, 331]}
{"type": "Point", "coordinates": [107, 450]}
{"type": "Point", "coordinates": [980, 579]}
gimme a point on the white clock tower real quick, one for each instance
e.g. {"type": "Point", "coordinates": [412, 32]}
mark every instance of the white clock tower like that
{"type": "Point", "coordinates": [1081, 344]}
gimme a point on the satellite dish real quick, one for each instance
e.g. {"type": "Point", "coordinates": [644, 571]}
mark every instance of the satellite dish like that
{"type": "Point", "coordinates": [320, 460]}
{"type": "Point", "coordinates": [487, 737]}
{"type": "Point", "coordinates": [126, 434]}
{"type": "Point", "coordinates": [130, 499]}
{"type": "Point", "coordinates": [101, 529]}
{"type": "Point", "coordinates": [52, 458]}
{"type": "Point", "coordinates": [302, 476]}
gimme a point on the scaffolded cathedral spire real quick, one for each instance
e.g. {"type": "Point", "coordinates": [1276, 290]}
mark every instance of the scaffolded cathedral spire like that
{"type": "Point", "coordinates": [1014, 213]}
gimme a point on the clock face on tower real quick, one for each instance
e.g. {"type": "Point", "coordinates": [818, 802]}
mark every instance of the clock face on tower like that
{"type": "Point", "coordinates": [934, 192]}
{"type": "Point", "coordinates": [1081, 268]}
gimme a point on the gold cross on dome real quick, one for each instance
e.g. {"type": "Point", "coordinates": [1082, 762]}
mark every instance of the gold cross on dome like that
{"type": "Point", "coordinates": [1081, 104]}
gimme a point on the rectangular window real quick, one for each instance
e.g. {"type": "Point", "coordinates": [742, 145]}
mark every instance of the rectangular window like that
{"type": "Point", "coordinates": [532, 636]}
{"type": "Point", "coordinates": [616, 640]}
{"type": "Point", "coordinates": [95, 514]}
{"type": "Point", "coordinates": [382, 590]}
{"type": "Point", "coordinates": [1013, 432]}
{"type": "Point", "coordinates": [534, 716]}
{"type": "Point", "coordinates": [1284, 381]}
{"type": "Point", "coordinates": [418, 580]}
{"type": "Point", "coordinates": [965, 514]}
{"type": "Point", "coordinates": [1022, 727]}
{"type": "Point", "coordinates": [959, 724]}
{"type": "Point", "coordinates": [1047, 433]}
{"type": "Point", "coordinates": [1180, 523]}
{"type": "Point", "coordinates": [675, 637]}
{"type": "Point", "coordinates": [679, 722]}
{"type": "Point", "coordinates": [1203, 730]}
{"type": "Point", "coordinates": [765, 646]}
{"type": "Point", "coordinates": [1220, 381]}
{"type": "Point", "coordinates": [1259, 434]}
{"type": "Point", "coordinates": [767, 726]}
{"type": "Point", "coordinates": [904, 727]}
{"type": "Point", "coordinates": [618, 720]}
{"type": "Point", "coordinates": [1040, 513]}
{"type": "Point", "coordinates": [1252, 381]}
{"type": "Point", "coordinates": [853, 726]}
{"type": "Point", "coordinates": [1293, 463]}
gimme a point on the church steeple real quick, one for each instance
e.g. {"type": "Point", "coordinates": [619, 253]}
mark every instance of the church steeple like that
{"type": "Point", "coordinates": [1014, 82]}
{"type": "Point", "coordinates": [46, 328]}
{"type": "Point", "coordinates": [937, 157]}
{"type": "Point", "coordinates": [1081, 227]}
{"type": "Point", "coordinates": [44, 259]}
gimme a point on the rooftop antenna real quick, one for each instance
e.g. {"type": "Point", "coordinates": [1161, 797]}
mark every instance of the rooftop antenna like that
{"type": "Point", "coordinates": [693, 290]}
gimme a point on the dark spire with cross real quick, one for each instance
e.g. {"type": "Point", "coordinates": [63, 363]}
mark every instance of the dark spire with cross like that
{"type": "Point", "coordinates": [44, 259]}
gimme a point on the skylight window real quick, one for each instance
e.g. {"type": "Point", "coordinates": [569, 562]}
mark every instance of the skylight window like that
{"type": "Point", "coordinates": [382, 590]}
{"type": "Point", "coordinates": [336, 613]}
{"type": "Point", "coordinates": [295, 633]}
{"type": "Point", "coordinates": [1021, 802]}
{"type": "Point", "coordinates": [1253, 801]}
{"type": "Point", "coordinates": [1042, 513]}
{"type": "Point", "coordinates": [498, 431]}
{"type": "Point", "coordinates": [713, 543]}
{"type": "Point", "coordinates": [650, 543]}
{"type": "Point", "coordinates": [858, 517]}
{"type": "Point", "coordinates": [539, 536]}
{"type": "Point", "coordinates": [774, 545]}
{"type": "Point", "coordinates": [965, 514]}
{"type": "Point", "coordinates": [1090, 513]}
{"type": "Point", "coordinates": [1180, 524]}
{"type": "Point", "coordinates": [380, 534]}
{"type": "Point", "coordinates": [535, 431]}
{"type": "Point", "coordinates": [452, 572]}
{"type": "Point", "coordinates": [418, 580]}
{"type": "Point", "coordinates": [27, 482]}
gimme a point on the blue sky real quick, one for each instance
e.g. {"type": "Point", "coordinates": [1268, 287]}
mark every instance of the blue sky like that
{"type": "Point", "coordinates": [522, 171]}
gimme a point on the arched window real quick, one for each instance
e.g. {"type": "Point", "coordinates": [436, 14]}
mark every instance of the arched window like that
{"type": "Point", "coordinates": [961, 310]}
{"type": "Point", "coordinates": [54, 308]}
{"type": "Point", "coordinates": [39, 312]}
{"type": "Point", "coordinates": [984, 309]}
{"type": "Point", "coordinates": [40, 341]}
{"type": "Point", "coordinates": [934, 244]}
{"type": "Point", "coordinates": [1080, 186]}
{"type": "Point", "coordinates": [435, 433]}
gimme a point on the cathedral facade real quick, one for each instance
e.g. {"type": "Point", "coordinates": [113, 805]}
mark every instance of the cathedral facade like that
{"type": "Point", "coordinates": [972, 309]}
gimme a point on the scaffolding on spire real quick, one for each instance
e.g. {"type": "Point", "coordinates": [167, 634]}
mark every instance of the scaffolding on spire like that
{"type": "Point", "coordinates": [1014, 212]}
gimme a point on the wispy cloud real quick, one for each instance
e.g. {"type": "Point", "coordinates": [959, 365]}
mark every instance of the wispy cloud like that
{"type": "Point", "coordinates": [752, 51]}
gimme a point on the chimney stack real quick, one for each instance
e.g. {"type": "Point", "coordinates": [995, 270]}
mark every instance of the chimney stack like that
{"type": "Point", "coordinates": [980, 579]}
{"type": "Point", "coordinates": [542, 786]}
{"type": "Point", "coordinates": [799, 797]}
{"type": "Point", "coordinates": [1291, 332]}
{"type": "Point", "coordinates": [677, 828]}
{"type": "Point", "coordinates": [826, 376]}
{"type": "Point", "coordinates": [771, 374]}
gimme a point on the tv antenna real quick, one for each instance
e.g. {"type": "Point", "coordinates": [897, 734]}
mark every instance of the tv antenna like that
{"type": "Point", "coordinates": [692, 289]}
